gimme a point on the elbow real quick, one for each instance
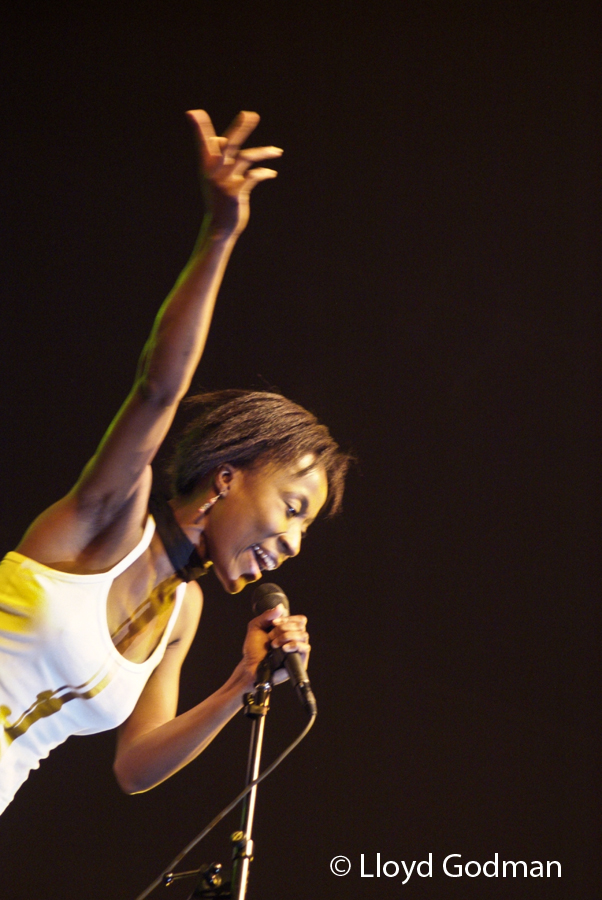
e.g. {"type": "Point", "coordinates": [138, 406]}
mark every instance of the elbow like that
{"type": "Point", "coordinates": [124, 779]}
{"type": "Point", "coordinates": [128, 779]}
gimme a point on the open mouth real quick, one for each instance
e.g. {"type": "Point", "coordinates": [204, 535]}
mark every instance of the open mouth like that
{"type": "Point", "coordinates": [265, 560]}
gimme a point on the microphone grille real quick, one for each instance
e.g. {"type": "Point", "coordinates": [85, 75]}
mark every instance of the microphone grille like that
{"type": "Point", "coordinates": [268, 596]}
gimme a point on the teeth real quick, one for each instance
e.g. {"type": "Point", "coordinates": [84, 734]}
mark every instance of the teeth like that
{"type": "Point", "coordinates": [265, 559]}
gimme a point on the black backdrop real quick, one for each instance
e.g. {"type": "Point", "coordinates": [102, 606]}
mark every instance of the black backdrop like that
{"type": "Point", "coordinates": [424, 275]}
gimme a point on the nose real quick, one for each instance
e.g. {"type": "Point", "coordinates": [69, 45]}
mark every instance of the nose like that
{"type": "Point", "coordinates": [290, 542]}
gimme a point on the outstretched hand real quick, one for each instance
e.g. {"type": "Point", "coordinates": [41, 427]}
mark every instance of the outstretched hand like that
{"type": "Point", "coordinates": [227, 177]}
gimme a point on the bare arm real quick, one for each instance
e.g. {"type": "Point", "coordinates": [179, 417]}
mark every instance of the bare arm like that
{"type": "Point", "coordinates": [178, 337]}
{"type": "Point", "coordinates": [153, 743]}
{"type": "Point", "coordinates": [117, 476]}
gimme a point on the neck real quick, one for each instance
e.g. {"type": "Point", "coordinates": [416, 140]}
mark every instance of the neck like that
{"type": "Point", "coordinates": [181, 546]}
{"type": "Point", "coordinates": [161, 562]}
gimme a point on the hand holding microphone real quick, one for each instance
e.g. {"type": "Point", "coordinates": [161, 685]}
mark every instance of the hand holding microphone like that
{"type": "Point", "coordinates": [269, 596]}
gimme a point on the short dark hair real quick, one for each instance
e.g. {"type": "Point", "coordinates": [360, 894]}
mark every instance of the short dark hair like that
{"type": "Point", "coordinates": [246, 427]}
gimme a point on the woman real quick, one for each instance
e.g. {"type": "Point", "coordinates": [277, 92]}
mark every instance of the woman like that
{"type": "Point", "coordinates": [96, 618]}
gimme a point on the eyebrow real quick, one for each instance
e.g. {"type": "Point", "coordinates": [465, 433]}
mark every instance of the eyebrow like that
{"type": "Point", "coordinates": [306, 470]}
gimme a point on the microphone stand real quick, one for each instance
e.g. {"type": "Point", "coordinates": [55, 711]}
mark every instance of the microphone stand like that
{"type": "Point", "coordinates": [257, 705]}
{"type": "Point", "coordinates": [211, 884]}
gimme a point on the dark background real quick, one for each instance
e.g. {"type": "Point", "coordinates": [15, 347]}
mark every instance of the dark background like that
{"type": "Point", "coordinates": [424, 274]}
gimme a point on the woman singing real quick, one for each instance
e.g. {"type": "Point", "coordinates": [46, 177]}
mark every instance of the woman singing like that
{"type": "Point", "coordinates": [97, 610]}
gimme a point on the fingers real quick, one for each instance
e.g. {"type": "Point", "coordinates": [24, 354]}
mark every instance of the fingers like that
{"type": "Point", "coordinates": [240, 129]}
{"type": "Point", "coordinates": [226, 148]}
{"type": "Point", "coordinates": [246, 158]}
{"type": "Point", "coordinates": [257, 175]}
{"type": "Point", "coordinates": [210, 144]}
{"type": "Point", "coordinates": [280, 621]}
{"type": "Point", "coordinates": [233, 137]}
{"type": "Point", "coordinates": [290, 633]}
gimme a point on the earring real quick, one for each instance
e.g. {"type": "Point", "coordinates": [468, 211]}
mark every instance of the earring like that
{"type": "Point", "coordinates": [204, 509]}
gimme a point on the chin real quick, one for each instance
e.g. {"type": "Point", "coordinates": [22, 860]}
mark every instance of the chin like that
{"type": "Point", "coordinates": [235, 585]}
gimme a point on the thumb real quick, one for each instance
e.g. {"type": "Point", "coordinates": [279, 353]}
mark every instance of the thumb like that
{"type": "Point", "coordinates": [267, 617]}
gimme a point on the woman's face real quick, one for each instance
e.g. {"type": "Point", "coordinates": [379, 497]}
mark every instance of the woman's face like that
{"type": "Point", "coordinates": [262, 519]}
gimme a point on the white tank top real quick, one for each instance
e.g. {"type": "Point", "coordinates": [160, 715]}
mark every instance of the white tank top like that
{"type": "Point", "coordinates": [60, 673]}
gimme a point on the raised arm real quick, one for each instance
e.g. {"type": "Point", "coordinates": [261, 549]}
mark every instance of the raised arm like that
{"type": "Point", "coordinates": [172, 353]}
{"type": "Point", "coordinates": [176, 343]}
{"type": "Point", "coordinates": [174, 348]}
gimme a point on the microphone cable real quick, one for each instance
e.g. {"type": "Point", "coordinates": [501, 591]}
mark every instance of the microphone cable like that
{"type": "Point", "coordinates": [163, 878]}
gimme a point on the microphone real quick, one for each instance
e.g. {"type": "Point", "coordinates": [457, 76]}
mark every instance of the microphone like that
{"type": "Point", "coordinates": [268, 596]}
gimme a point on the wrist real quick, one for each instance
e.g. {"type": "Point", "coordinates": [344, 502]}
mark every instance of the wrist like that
{"type": "Point", "coordinates": [214, 231]}
{"type": "Point", "coordinates": [241, 681]}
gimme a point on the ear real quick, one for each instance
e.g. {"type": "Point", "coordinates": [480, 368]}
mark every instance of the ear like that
{"type": "Point", "coordinates": [224, 477]}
